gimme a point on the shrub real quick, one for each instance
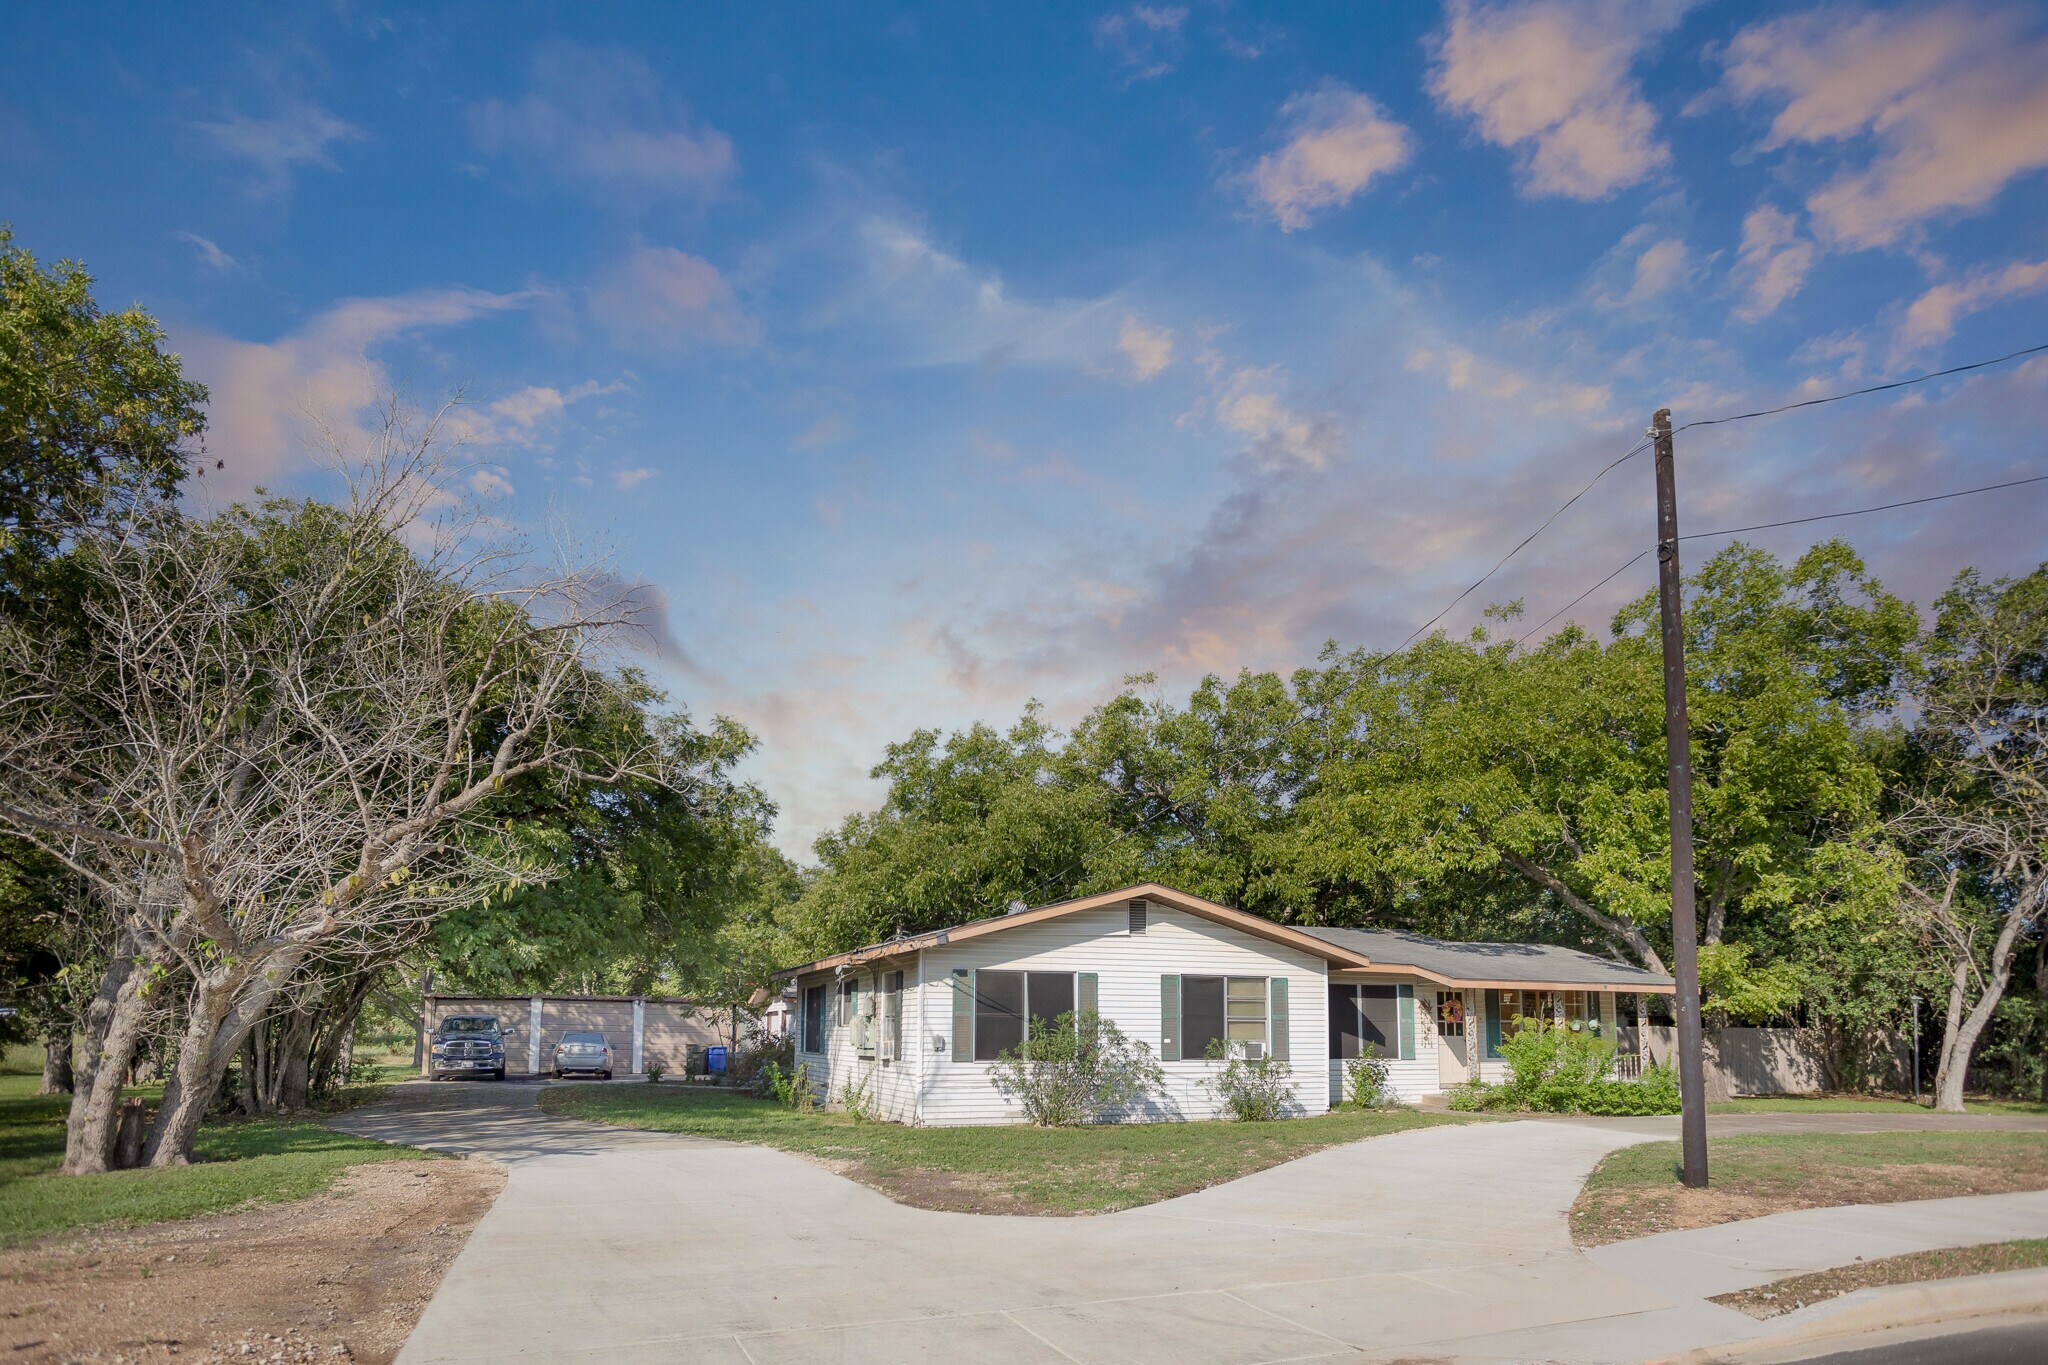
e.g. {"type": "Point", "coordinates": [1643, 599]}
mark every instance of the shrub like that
{"type": "Point", "coordinates": [744, 1064]}
{"type": "Point", "coordinates": [1371, 1086]}
{"type": "Point", "coordinates": [1253, 1091]}
{"type": "Point", "coordinates": [790, 1089]}
{"type": "Point", "coordinates": [856, 1100]}
{"type": "Point", "coordinates": [1077, 1071]}
{"type": "Point", "coordinates": [1469, 1097]}
{"type": "Point", "coordinates": [1552, 1067]}
{"type": "Point", "coordinates": [1655, 1093]}
{"type": "Point", "coordinates": [655, 1071]}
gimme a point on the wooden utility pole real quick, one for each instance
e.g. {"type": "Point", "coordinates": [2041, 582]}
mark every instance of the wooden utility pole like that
{"type": "Point", "coordinates": [1692, 1079]}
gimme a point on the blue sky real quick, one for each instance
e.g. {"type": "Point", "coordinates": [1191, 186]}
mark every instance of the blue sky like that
{"type": "Point", "coordinates": [925, 360]}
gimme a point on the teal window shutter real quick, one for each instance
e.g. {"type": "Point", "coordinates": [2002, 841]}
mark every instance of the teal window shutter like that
{"type": "Point", "coordinates": [1493, 1023]}
{"type": "Point", "coordinates": [1169, 1018]}
{"type": "Point", "coordinates": [963, 1015]}
{"type": "Point", "coordinates": [1280, 1030]}
{"type": "Point", "coordinates": [1406, 995]}
{"type": "Point", "coordinates": [1085, 993]}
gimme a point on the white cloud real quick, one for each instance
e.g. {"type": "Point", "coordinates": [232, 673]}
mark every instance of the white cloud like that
{"type": "Point", "coordinates": [298, 134]}
{"type": "Point", "coordinates": [1553, 80]}
{"type": "Point", "coordinates": [600, 118]}
{"type": "Point", "coordinates": [659, 296]}
{"type": "Point", "coordinates": [491, 481]}
{"type": "Point", "coordinates": [1952, 98]}
{"type": "Point", "coordinates": [1149, 349]}
{"type": "Point", "coordinates": [1335, 141]}
{"type": "Point", "coordinates": [1772, 263]}
{"type": "Point", "coordinates": [905, 296]}
{"type": "Point", "coordinates": [1145, 39]}
{"type": "Point", "coordinates": [515, 418]}
{"type": "Point", "coordinates": [209, 252]}
{"type": "Point", "coordinates": [632, 478]}
{"type": "Point", "coordinates": [1933, 316]}
{"type": "Point", "coordinates": [1661, 266]}
{"type": "Point", "coordinates": [260, 392]}
{"type": "Point", "coordinates": [1277, 437]}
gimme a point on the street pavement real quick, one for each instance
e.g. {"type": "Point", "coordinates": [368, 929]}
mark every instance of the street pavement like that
{"type": "Point", "coordinates": [1448, 1243]}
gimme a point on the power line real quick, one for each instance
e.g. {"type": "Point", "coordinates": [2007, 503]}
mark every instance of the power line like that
{"type": "Point", "coordinates": [1523, 544]}
{"type": "Point", "coordinates": [1864, 511]}
{"type": "Point", "coordinates": [1640, 555]}
{"type": "Point", "coordinates": [1858, 393]}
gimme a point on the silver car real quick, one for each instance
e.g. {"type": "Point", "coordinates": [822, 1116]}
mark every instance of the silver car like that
{"type": "Point", "coordinates": [583, 1052]}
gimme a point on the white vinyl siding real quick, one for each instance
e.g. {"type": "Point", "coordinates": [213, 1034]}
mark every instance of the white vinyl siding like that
{"type": "Point", "coordinates": [1410, 1080]}
{"type": "Point", "coordinates": [1127, 969]}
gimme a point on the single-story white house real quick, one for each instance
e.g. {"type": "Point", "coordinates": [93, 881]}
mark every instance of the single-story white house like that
{"type": "Point", "coordinates": [915, 1023]}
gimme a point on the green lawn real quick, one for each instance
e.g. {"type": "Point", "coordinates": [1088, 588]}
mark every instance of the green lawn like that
{"type": "Point", "coordinates": [1860, 1104]}
{"type": "Point", "coordinates": [992, 1170]}
{"type": "Point", "coordinates": [1636, 1191]}
{"type": "Point", "coordinates": [240, 1162]}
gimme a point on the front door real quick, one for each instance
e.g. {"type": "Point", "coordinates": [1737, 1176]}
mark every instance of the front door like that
{"type": "Point", "coordinates": [1452, 1064]}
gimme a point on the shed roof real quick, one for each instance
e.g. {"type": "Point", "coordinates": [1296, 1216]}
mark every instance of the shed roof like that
{"type": "Point", "coordinates": [1493, 964]}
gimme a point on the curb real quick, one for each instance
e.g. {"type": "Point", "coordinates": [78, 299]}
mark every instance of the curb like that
{"type": "Point", "coordinates": [2010, 1292]}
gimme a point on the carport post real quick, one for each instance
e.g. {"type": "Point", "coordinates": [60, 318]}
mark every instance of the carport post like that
{"type": "Point", "coordinates": [639, 1031]}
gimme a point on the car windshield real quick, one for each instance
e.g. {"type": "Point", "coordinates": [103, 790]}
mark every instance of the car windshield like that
{"type": "Point", "coordinates": [469, 1024]}
{"type": "Point", "coordinates": [594, 1038]}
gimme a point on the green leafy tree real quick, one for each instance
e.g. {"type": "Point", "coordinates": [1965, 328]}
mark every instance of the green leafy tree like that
{"type": "Point", "coordinates": [94, 412]}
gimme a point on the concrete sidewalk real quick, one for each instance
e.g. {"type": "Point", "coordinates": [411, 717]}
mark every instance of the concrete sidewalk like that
{"type": "Point", "coordinates": [622, 1246]}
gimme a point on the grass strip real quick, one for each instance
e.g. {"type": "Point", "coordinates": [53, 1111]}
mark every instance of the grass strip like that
{"type": "Point", "coordinates": [1860, 1104]}
{"type": "Point", "coordinates": [239, 1162]}
{"type": "Point", "coordinates": [992, 1169]}
{"type": "Point", "coordinates": [1635, 1192]}
{"type": "Point", "coordinates": [1801, 1291]}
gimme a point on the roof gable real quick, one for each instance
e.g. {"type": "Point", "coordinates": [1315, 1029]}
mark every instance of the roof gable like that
{"type": "Point", "coordinates": [1335, 953]}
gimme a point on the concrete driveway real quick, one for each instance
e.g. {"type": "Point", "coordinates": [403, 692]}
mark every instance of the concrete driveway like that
{"type": "Point", "coordinates": [620, 1246]}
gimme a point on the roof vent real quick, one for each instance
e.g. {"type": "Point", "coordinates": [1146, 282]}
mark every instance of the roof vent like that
{"type": "Point", "coordinates": [1015, 908]}
{"type": "Point", "coordinates": [1137, 917]}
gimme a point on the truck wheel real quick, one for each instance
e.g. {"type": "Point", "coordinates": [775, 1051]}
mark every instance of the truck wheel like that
{"type": "Point", "coordinates": [499, 1074]}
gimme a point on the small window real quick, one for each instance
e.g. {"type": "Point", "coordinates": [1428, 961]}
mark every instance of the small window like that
{"type": "Point", "coordinates": [1245, 1024]}
{"type": "Point", "coordinates": [892, 1016]}
{"type": "Point", "coordinates": [814, 1019]}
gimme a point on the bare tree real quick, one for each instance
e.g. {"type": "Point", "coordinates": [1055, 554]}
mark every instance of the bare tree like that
{"type": "Point", "coordinates": [1982, 820]}
{"type": "Point", "coordinates": [278, 741]}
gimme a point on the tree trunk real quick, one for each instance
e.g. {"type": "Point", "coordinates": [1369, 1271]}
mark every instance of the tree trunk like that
{"type": "Point", "coordinates": [224, 1010]}
{"type": "Point", "coordinates": [57, 1061]}
{"type": "Point", "coordinates": [114, 1023]}
{"type": "Point", "coordinates": [1949, 1091]}
{"type": "Point", "coordinates": [291, 1079]}
{"type": "Point", "coordinates": [1952, 1026]}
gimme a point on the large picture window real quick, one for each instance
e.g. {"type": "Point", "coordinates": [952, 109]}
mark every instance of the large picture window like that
{"type": "Point", "coordinates": [1008, 1005]}
{"type": "Point", "coordinates": [1361, 1015]}
{"type": "Point", "coordinates": [814, 1019]}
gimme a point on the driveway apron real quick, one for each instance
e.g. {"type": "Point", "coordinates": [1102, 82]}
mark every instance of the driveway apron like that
{"type": "Point", "coordinates": [614, 1245]}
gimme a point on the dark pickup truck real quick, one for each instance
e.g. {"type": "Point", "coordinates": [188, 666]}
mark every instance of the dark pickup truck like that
{"type": "Point", "coordinates": [470, 1045]}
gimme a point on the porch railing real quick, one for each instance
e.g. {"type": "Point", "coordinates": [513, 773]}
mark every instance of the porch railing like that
{"type": "Point", "coordinates": [1628, 1066]}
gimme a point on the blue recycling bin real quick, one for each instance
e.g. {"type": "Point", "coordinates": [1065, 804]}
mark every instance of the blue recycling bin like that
{"type": "Point", "coordinates": [714, 1060]}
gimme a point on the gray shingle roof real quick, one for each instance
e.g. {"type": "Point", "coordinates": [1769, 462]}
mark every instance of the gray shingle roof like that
{"type": "Point", "coordinates": [1534, 962]}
